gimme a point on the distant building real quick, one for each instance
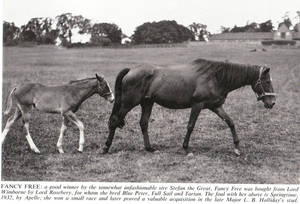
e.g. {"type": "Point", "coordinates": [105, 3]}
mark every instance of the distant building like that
{"type": "Point", "coordinates": [296, 34]}
{"type": "Point", "coordinates": [283, 33]}
{"type": "Point", "coordinates": [297, 27]}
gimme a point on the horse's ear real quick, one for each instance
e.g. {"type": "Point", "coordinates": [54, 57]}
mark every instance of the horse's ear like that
{"type": "Point", "coordinates": [266, 70]}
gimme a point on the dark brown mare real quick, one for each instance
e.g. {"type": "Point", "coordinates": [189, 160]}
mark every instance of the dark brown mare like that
{"type": "Point", "coordinates": [202, 84]}
{"type": "Point", "coordinates": [64, 100]}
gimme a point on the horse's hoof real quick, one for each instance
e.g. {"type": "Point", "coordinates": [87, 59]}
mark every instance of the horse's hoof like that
{"type": "Point", "coordinates": [237, 152]}
{"type": "Point", "coordinates": [79, 151]}
{"type": "Point", "coordinates": [104, 150]}
{"type": "Point", "coordinates": [150, 149]}
{"type": "Point", "coordinates": [185, 146]}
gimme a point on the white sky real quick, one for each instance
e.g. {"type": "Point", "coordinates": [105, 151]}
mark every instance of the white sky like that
{"type": "Point", "coordinates": [128, 14]}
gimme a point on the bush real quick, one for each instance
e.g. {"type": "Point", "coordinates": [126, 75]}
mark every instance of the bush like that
{"type": "Point", "coordinates": [278, 42]}
{"type": "Point", "coordinates": [100, 41]}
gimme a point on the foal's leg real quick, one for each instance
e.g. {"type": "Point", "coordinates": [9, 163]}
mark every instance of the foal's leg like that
{"type": "Point", "coordinates": [224, 116]}
{"type": "Point", "coordinates": [61, 135]}
{"type": "Point", "coordinates": [73, 118]}
{"type": "Point", "coordinates": [196, 108]}
{"type": "Point", "coordinates": [26, 116]}
{"type": "Point", "coordinates": [9, 123]}
{"type": "Point", "coordinates": [146, 112]}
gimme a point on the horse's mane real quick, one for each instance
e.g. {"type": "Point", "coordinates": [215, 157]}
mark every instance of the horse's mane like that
{"type": "Point", "coordinates": [227, 74]}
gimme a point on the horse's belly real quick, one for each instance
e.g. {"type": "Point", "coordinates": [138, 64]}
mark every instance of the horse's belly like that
{"type": "Point", "coordinates": [173, 100]}
{"type": "Point", "coordinates": [173, 104]}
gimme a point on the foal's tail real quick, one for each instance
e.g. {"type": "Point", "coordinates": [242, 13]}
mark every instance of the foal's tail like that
{"type": "Point", "coordinates": [9, 102]}
{"type": "Point", "coordinates": [118, 93]}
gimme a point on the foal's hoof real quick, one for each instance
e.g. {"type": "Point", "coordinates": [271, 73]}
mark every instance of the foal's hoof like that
{"type": "Point", "coordinates": [61, 151]}
{"type": "Point", "coordinates": [189, 155]}
{"type": "Point", "coordinates": [150, 149]}
{"type": "Point", "coordinates": [36, 151]}
{"type": "Point", "coordinates": [237, 152]}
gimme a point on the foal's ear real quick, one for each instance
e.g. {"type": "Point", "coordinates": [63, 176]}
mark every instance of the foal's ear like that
{"type": "Point", "coordinates": [99, 77]}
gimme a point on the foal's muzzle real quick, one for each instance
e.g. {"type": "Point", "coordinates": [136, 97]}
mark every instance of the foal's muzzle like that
{"type": "Point", "coordinates": [111, 98]}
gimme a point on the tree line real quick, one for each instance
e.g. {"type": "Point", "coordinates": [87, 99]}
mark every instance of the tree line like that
{"type": "Point", "coordinates": [66, 26]}
{"type": "Point", "coordinates": [266, 26]}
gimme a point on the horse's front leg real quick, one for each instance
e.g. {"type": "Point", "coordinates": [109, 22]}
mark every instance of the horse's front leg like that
{"type": "Point", "coordinates": [146, 112]}
{"type": "Point", "coordinates": [224, 116]}
{"type": "Point", "coordinates": [115, 120]}
{"type": "Point", "coordinates": [196, 109]}
{"type": "Point", "coordinates": [73, 118]}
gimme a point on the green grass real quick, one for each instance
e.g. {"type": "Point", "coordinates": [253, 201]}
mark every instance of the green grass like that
{"type": "Point", "coordinates": [269, 138]}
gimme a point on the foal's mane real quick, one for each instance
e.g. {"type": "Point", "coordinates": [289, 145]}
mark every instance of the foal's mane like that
{"type": "Point", "coordinates": [81, 82]}
{"type": "Point", "coordinates": [227, 74]}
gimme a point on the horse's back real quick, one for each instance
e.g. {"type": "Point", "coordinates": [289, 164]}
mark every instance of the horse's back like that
{"type": "Point", "coordinates": [176, 86]}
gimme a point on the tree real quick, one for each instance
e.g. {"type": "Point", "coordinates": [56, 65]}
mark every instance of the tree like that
{"type": "Point", "coordinates": [10, 33]}
{"type": "Point", "coordinates": [40, 30]}
{"type": "Point", "coordinates": [66, 22]}
{"type": "Point", "coordinates": [64, 25]}
{"type": "Point", "coordinates": [266, 26]}
{"type": "Point", "coordinates": [100, 31]}
{"type": "Point", "coordinates": [286, 20]}
{"type": "Point", "coordinates": [28, 35]}
{"type": "Point", "coordinates": [252, 27]}
{"type": "Point", "coordinates": [32, 31]}
{"type": "Point", "coordinates": [161, 32]}
{"type": "Point", "coordinates": [225, 29]}
{"type": "Point", "coordinates": [237, 29]}
{"type": "Point", "coordinates": [199, 30]}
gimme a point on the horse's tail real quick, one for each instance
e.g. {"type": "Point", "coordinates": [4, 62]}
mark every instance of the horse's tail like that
{"type": "Point", "coordinates": [118, 94]}
{"type": "Point", "coordinates": [9, 102]}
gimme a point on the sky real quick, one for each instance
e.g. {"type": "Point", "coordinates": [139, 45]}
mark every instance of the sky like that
{"type": "Point", "coordinates": [128, 14]}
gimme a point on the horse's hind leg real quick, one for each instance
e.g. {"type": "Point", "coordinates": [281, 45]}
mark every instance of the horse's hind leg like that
{"type": "Point", "coordinates": [196, 108]}
{"type": "Point", "coordinates": [146, 112]}
{"type": "Point", "coordinates": [9, 123]}
{"type": "Point", "coordinates": [61, 135]}
{"type": "Point", "coordinates": [73, 118]}
{"type": "Point", "coordinates": [26, 116]}
{"type": "Point", "coordinates": [224, 116]}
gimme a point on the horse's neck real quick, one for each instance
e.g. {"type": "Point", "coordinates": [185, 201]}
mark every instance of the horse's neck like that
{"type": "Point", "coordinates": [245, 76]}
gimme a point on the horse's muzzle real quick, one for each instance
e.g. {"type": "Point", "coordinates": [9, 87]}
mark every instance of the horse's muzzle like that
{"type": "Point", "coordinates": [269, 106]}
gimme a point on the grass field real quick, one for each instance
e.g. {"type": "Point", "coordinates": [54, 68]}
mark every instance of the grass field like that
{"type": "Point", "coordinates": [270, 142]}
